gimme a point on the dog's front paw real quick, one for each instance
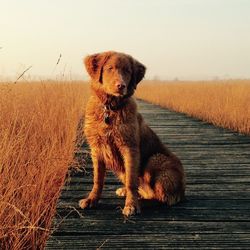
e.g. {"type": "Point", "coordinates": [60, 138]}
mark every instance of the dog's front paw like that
{"type": "Point", "coordinates": [88, 203]}
{"type": "Point", "coordinates": [121, 192]}
{"type": "Point", "coordinates": [129, 210]}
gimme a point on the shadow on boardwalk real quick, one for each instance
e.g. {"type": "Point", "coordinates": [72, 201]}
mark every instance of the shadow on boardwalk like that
{"type": "Point", "coordinates": [215, 215]}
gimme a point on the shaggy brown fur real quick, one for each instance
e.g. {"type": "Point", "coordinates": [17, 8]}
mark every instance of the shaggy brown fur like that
{"type": "Point", "coordinates": [121, 141]}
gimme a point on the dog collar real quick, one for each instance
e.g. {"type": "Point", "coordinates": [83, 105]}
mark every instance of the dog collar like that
{"type": "Point", "coordinates": [112, 106]}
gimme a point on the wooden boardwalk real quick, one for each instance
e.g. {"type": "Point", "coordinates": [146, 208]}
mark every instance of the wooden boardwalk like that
{"type": "Point", "coordinates": [215, 215]}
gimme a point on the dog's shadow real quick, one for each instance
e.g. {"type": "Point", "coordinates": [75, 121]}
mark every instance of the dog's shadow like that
{"type": "Point", "coordinates": [150, 210]}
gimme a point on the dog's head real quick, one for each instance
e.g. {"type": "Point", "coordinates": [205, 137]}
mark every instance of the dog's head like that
{"type": "Point", "coordinates": [115, 73]}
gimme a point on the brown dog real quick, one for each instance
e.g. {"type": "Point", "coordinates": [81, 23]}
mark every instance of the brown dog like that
{"type": "Point", "coordinates": [121, 141]}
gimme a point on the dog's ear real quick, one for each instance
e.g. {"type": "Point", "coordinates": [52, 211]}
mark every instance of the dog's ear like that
{"type": "Point", "coordinates": [94, 65]}
{"type": "Point", "coordinates": [139, 71]}
{"type": "Point", "coordinates": [137, 75]}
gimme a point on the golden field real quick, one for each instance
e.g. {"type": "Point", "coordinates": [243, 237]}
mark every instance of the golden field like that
{"type": "Point", "coordinates": [225, 104]}
{"type": "Point", "coordinates": [38, 124]}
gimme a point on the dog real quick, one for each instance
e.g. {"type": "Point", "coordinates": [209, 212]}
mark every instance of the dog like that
{"type": "Point", "coordinates": [121, 141]}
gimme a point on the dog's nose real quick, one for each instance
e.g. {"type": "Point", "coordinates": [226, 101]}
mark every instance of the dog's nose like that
{"type": "Point", "coordinates": [120, 86]}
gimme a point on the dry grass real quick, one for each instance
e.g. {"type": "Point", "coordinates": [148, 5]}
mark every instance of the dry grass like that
{"type": "Point", "coordinates": [37, 129]}
{"type": "Point", "coordinates": [225, 104]}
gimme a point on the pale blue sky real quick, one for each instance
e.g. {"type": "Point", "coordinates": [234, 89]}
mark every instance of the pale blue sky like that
{"type": "Point", "coordinates": [188, 39]}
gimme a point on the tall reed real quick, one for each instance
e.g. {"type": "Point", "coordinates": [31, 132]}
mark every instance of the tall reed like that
{"type": "Point", "coordinates": [38, 124]}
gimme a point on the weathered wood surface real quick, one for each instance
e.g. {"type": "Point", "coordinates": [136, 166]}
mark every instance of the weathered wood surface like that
{"type": "Point", "coordinates": [215, 215]}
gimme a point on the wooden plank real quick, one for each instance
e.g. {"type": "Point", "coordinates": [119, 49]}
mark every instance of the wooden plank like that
{"type": "Point", "coordinates": [199, 179]}
{"type": "Point", "coordinates": [107, 211]}
{"type": "Point", "coordinates": [154, 241]}
{"type": "Point", "coordinates": [190, 187]}
{"type": "Point", "coordinates": [118, 225]}
{"type": "Point", "coordinates": [191, 204]}
{"type": "Point", "coordinates": [213, 194]}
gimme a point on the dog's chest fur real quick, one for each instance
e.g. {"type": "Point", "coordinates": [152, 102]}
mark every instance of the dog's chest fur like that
{"type": "Point", "coordinates": [107, 138]}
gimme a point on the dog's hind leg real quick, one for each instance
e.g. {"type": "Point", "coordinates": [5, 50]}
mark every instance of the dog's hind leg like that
{"type": "Point", "coordinates": [166, 178]}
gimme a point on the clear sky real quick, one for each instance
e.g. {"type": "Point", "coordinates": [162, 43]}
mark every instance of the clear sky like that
{"type": "Point", "coordinates": [188, 39]}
